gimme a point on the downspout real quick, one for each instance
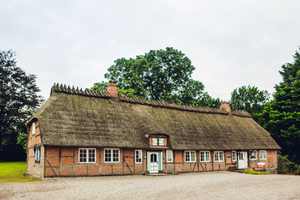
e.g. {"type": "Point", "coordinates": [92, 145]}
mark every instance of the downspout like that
{"type": "Point", "coordinates": [238, 155]}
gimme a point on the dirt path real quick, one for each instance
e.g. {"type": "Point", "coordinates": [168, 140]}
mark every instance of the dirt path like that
{"type": "Point", "coordinates": [206, 185]}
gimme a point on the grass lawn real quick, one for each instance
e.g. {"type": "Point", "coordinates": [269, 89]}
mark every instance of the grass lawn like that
{"type": "Point", "coordinates": [14, 172]}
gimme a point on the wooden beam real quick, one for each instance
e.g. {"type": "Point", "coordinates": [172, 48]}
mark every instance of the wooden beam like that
{"type": "Point", "coordinates": [51, 168]}
{"type": "Point", "coordinates": [59, 160]}
{"type": "Point", "coordinates": [194, 167]}
{"type": "Point", "coordinates": [74, 161]}
{"type": "Point", "coordinates": [127, 166]}
{"type": "Point", "coordinates": [202, 166]}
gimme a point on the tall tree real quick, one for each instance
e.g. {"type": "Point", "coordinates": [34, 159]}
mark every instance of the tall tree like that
{"type": "Point", "coordinates": [18, 95]}
{"type": "Point", "coordinates": [281, 117]}
{"type": "Point", "coordinates": [159, 75]}
{"type": "Point", "coordinates": [250, 99]}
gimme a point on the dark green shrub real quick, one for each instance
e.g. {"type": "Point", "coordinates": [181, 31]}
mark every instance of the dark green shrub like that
{"type": "Point", "coordinates": [285, 166]}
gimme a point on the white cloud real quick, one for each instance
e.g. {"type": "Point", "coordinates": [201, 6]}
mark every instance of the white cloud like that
{"type": "Point", "coordinates": [231, 43]}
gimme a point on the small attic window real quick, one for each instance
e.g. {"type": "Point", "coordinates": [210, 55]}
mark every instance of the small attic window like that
{"type": "Point", "coordinates": [33, 128]}
{"type": "Point", "coordinates": [158, 140]}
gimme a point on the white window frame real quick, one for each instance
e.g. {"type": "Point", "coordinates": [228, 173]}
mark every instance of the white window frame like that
{"type": "Point", "coordinates": [169, 155]}
{"type": "Point", "coordinates": [159, 142]}
{"type": "Point", "coordinates": [87, 154]}
{"type": "Point", "coordinates": [255, 156]}
{"type": "Point", "coordinates": [138, 153]}
{"type": "Point", "coordinates": [154, 139]}
{"type": "Point", "coordinates": [260, 153]}
{"type": "Point", "coordinates": [33, 128]}
{"type": "Point", "coordinates": [111, 153]}
{"type": "Point", "coordinates": [37, 154]}
{"type": "Point", "coordinates": [232, 155]}
{"type": "Point", "coordinates": [190, 156]}
{"type": "Point", "coordinates": [204, 154]}
{"type": "Point", "coordinates": [218, 156]}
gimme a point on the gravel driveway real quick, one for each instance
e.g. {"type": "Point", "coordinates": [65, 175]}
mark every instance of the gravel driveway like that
{"type": "Point", "coordinates": [205, 185]}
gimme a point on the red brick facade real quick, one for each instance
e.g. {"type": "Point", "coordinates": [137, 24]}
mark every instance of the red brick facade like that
{"type": "Point", "coordinates": [63, 161]}
{"type": "Point", "coordinates": [34, 140]}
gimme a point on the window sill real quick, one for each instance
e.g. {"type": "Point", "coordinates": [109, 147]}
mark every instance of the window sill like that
{"type": "Point", "coordinates": [87, 163]}
{"type": "Point", "coordinates": [205, 161]}
{"type": "Point", "coordinates": [112, 162]}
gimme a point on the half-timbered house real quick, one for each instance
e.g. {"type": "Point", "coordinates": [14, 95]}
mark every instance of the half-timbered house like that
{"type": "Point", "coordinates": [84, 133]}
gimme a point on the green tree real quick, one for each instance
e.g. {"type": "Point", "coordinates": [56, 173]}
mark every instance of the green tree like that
{"type": "Point", "coordinates": [250, 99]}
{"type": "Point", "coordinates": [18, 95]}
{"type": "Point", "coordinates": [158, 75]}
{"type": "Point", "coordinates": [281, 116]}
{"type": "Point", "coordinates": [102, 86]}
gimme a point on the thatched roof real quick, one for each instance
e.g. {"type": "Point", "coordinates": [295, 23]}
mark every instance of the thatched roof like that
{"type": "Point", "coordinates": [73, 117]}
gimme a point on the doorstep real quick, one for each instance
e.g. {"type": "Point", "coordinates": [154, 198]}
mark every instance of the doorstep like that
{"type": "Point", "coordinates": [158, 174]}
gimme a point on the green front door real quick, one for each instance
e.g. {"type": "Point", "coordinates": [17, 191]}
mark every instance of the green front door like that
{"type": "Point", "coordinates": [154, 161]}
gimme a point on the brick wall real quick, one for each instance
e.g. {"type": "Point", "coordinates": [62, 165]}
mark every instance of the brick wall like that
{"type": "Point", "coordinates": [34, 140]}
{"type": "Point", "coordinates": [63, 161]}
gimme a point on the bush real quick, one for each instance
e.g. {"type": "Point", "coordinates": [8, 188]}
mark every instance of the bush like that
{"type": "Point", "coordinates": [251, 171]}
{"type": "Point", "coordinates": [285, 166]}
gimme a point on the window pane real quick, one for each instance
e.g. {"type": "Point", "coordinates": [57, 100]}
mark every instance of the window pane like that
{"type": "Point", "coordinates": [233, 155]}
{"type": "Point", "coordinates": [107, 155]}
{"type": "Point", "coordinates": [161, 141]}
{"type": "Point", "coordinates": [169, 156]}
{"type": "Point", "coordinates": [221, 156]}
{"type": "Point", "coordinates": [35, 154]}
{"type": "Point", "coordinates": [154, 141]}
{"type": "Point", "coordinates": [263, 154]}
{"type": "Point", "coordinates": [207, 156]}
{"type": "Point", "coordinates": [82, 155]}
{"type": "Point", "coordinates": [138, 156]}
{"type": "Point", "coordinates": [115, 155]}
{"type": "Point", "coordinates": [92, 155]}
{"type": "Point", "coordinates": [216, 156]}
{"type": "Point", "coordinates": [187, 156]}
{"type": "Point", "coordinates": [193, 156]}
{"type": "Point", "coordinates": [33, 128]}
{"type": "Point", "coordinates": [241, 156]}
{"type": "Point", "coordinates": [202, 156]}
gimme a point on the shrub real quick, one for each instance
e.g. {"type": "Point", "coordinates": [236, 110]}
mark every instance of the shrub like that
{"type": "Point", "coordinates": [285, 166]}
{"type": "Point", "coordinates": [251, 171]}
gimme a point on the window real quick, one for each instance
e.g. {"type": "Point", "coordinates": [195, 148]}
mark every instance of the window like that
{"type": "Point", "coordinates": [204, 156]}
{"type": "Point", "coordinates": [169, 156]}
{"type": "Point", "coordinates": [161, 141]}
{"type": "Point", "coordinates": [87, 155]}
{"type": "Point", "coordinates": [219, 156]}
{"type": "Point", "coordinates": [33, 128]}
{"type": "Point", "coordinates": [233, 155]}
{"type": "Point", "coordinates": [138, 156]}
{"type": "Point", "coordinates": [111, 155]}
{"type": "Point", "coordinates": [37, 154]}
{"type": "Point", "coordinates": [154, 141]}
{"type": "Point", "coordinates": [190, 156]}
{"type": "Point", "coordinates": [263, 154]}
{"type": "Point", "coordinates": [253, 155]}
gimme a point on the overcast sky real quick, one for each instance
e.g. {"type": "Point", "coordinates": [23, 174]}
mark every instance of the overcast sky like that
{"type": "Point", "coordinates": [231, 43]}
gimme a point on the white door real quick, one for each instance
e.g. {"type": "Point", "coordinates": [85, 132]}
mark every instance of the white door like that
{"type": "Point", "coordinates": [243, 161]}
{"type": "Point", "coordinates": [153, 162]}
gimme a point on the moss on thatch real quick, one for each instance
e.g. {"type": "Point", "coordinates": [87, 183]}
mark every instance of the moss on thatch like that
{"type": "Point", "coordinates": [73, 117]}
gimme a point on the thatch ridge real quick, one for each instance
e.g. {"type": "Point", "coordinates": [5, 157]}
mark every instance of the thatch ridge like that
{"type": "Point", "coordinates": [68, 90]}
{"type": "Point", "coordinates": [90, 120]}
{"type": "Point", "coordinates": [163, 104]}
